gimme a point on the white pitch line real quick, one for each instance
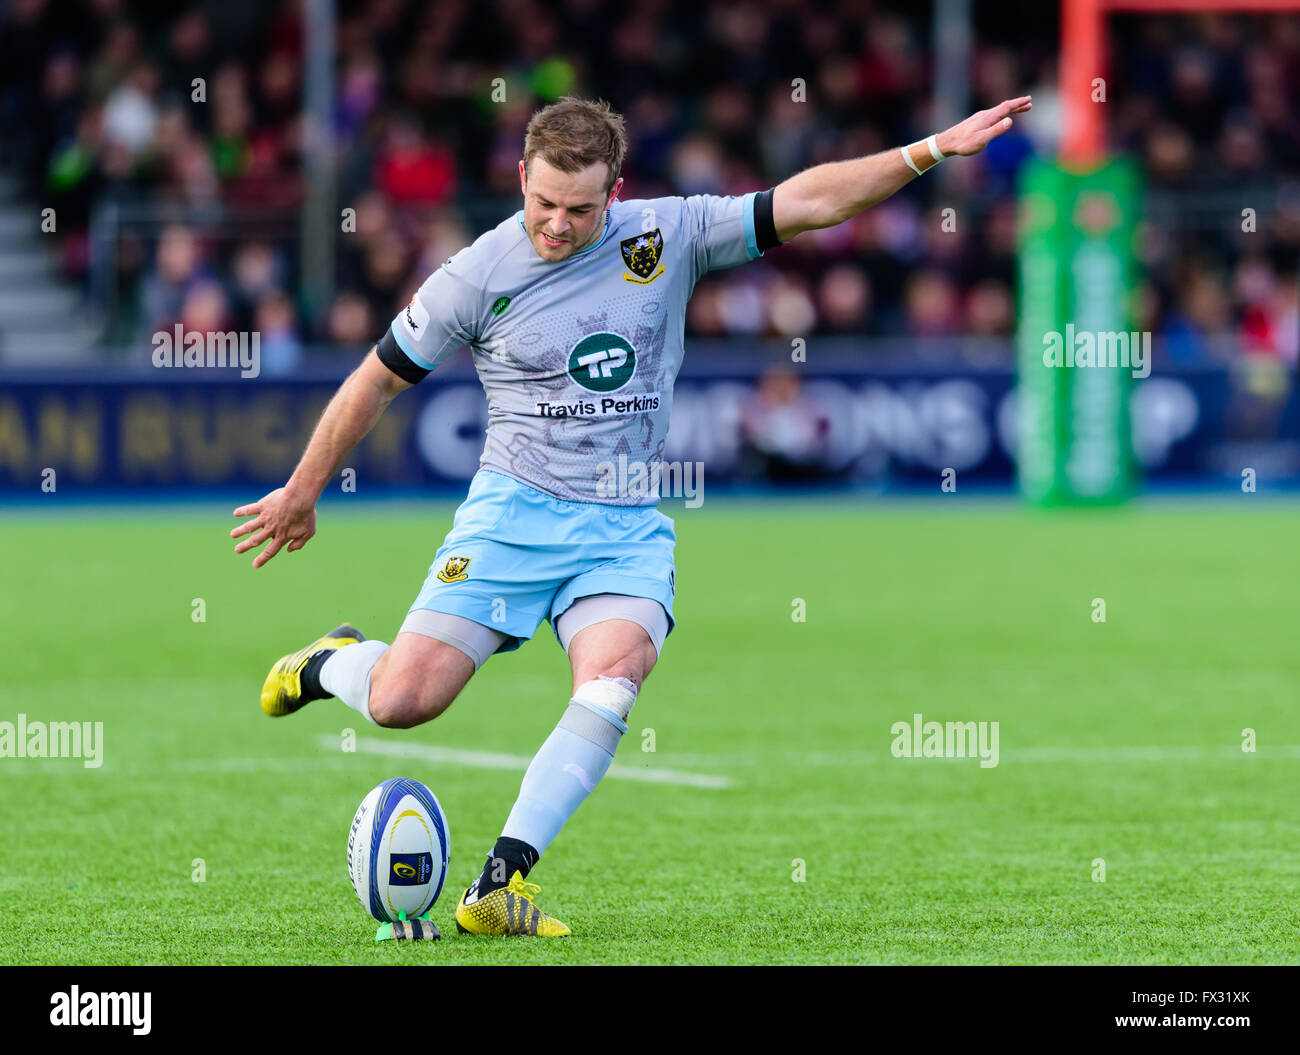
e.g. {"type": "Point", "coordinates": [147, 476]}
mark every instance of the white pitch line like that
{"type": "Point", "coordinates": [1008, 755]}
{"type": "Point", "coordinates": [1148, 754]}
{"type": "Point", "coordinates": [457, 756]}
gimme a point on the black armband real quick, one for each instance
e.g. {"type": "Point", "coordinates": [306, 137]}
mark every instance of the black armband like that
{"type": "Point", "coordinates": [392, 356]}
{"type": "Point", "coordinates": [764, 222]}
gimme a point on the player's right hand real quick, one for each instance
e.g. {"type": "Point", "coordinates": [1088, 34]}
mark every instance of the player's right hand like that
{"type": "Point", "coordinates": [282, 517]}
{"type": "Point", "coordinates": [980, 129]}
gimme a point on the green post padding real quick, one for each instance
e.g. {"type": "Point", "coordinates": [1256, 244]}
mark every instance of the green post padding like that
{"type": "Point", "coordinates": [1077, 276]}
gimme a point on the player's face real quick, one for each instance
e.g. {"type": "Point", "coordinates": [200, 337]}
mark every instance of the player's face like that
{"type": "Point", "coordinates": [564, 212]}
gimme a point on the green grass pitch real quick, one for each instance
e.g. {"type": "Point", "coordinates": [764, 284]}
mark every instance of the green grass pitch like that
{"type": "Point", "coordinates": [1119, 740]}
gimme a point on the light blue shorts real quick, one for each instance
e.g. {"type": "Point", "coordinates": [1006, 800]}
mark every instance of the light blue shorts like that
{"type": "Point", "coordinates": [516, 555]}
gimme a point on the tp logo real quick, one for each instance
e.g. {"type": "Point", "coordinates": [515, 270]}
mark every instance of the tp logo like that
{"type": "Point", "coordinates": [602, 362]}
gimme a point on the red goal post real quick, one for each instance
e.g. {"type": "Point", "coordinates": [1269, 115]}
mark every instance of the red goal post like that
{"type": "Point", "coordinates": [1083, 57]}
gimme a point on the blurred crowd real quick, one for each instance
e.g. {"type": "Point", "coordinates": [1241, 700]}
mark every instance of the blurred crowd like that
{"type": "Point", "coordinates": [172, 109]}
{"type": "Point", "coordinates": [1209, 109]}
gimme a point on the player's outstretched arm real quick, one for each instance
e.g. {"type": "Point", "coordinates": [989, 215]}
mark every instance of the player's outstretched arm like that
{"type": "Point", "coordinates": [829, 194]}
{"type": "Point", "coordinates": [287, 516]}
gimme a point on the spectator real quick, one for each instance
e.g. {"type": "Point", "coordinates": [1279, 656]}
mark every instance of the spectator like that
{"type": "Point", "coordinates": [276, 324]}
{"type": "Point", "coordinates": [785, 434]}
{"type": "Point", "coordinates": [720, 99]}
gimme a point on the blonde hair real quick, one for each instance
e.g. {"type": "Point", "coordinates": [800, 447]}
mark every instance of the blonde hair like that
{"type": "Point", "coordinates": [574, 134]}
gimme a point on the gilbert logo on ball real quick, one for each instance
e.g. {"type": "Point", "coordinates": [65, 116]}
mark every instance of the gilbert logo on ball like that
{"type": "Point", "coordinates": [398, 850]}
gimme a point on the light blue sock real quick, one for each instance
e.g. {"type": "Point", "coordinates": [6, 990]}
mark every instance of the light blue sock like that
{"type": "Point", "coordinates": [571, 762]}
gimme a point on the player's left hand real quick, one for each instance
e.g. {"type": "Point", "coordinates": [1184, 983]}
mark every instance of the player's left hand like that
{"type": "Point", "coordinates": [282, 516]}
{"type": "Point", "coordinates": [980, 129]}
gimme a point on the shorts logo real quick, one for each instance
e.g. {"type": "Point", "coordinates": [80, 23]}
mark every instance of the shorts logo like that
{"type": "Point", "coordinates": [602, 362]}
{"type": "Point", "coordinates": [454, 569]}
{"type": "Point", "coordinates": [499, 307]}
{"type": "Point", "coordinates": [641, 254]}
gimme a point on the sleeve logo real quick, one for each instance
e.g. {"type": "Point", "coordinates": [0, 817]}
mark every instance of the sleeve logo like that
{"type": "Point", "coordinates": [415, 318]}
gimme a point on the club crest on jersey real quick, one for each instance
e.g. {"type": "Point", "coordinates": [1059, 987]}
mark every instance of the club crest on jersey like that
{"type": "Point", "coordinates": [641, 254]}
{"type": "Point", "coordinates": [455, 569]}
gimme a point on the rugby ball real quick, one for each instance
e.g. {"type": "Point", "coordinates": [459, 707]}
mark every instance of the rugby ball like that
{"type": "Point", "coordinates": [398, 850]}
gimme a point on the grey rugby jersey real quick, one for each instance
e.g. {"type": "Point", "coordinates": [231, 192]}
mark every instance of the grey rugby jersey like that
{"type": "Point", "coordinates": [578, 357]}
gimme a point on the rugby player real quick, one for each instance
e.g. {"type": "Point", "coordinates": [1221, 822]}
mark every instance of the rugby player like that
{"type": "Point", "coordinates": [574, 309]}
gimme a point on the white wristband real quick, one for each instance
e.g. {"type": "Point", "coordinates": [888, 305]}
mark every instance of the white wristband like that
{"type": "Point", "coordinates": [932, 144]}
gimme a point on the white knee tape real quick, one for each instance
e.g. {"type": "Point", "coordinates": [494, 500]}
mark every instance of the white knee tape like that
{"type": "Point", "coordinates": [615, 695]}
{"type": "Point", "coordinates": [598, 711]}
